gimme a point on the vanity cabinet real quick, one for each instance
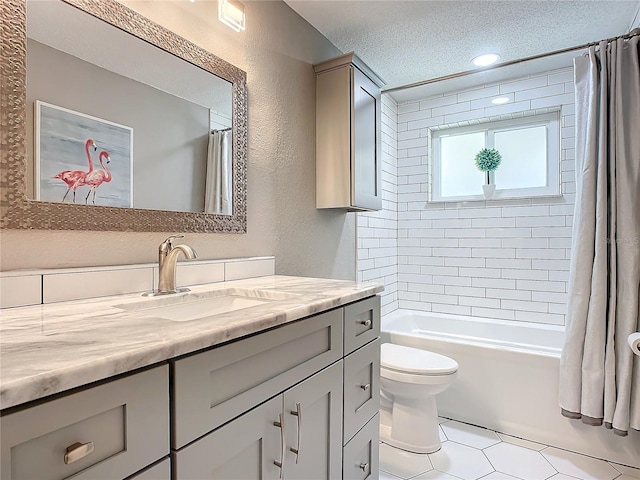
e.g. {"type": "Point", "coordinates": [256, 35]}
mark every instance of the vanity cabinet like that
{"type": "Point", "coordinates": [106, 432]}
{"type": "Point", "coordinates": [348, 135]}
{"type": "Point", "coordinates": [284, 403]}
{"type": "Point", "coordinates": [298, 401]}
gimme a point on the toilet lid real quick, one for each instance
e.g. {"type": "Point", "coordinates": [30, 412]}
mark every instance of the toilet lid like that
{"type": "Point", "coordinates": [415, 360]}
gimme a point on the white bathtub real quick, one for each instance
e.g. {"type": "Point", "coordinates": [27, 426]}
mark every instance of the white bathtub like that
{"type": "Point", "coordinates": [507, 380]}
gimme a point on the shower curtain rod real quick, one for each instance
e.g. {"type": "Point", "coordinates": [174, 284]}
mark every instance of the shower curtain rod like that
{"type": "Point", "coordinates": [222, 130]}
{"type": "Point", "coordinates": [632, 33]}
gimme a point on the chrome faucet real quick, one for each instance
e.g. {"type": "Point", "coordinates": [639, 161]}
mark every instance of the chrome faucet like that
{"type": "Point", "coordinates": [167, 262]}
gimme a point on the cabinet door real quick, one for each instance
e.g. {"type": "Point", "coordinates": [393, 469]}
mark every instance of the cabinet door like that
{"type": "Point", "coordinates": [244, 449]}
{"type": "Point", "coordinates": [313, 426]}
{"type": "Point", "coordinates": [366, 164]}
{"type": "Point", "coordinates": [361, 454]}
{"type": "Point", "coordinates": [361, 387]}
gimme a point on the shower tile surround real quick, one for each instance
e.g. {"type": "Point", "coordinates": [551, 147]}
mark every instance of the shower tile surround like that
{"type": "Point", "coordinates": [34, 287]}
{"type": "Point", "coordinates": [505, 259]}
{"type": "Point", "coordinates": [474, 453]}
{"type": "Point", "coordinates": [377, 232]}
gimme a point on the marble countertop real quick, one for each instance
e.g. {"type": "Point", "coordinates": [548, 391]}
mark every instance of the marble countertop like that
{"type": "Point", "coordinates": [47, 349]}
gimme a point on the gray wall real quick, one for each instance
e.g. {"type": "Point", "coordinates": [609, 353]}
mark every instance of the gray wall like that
{"type": "Point", "coordinates": [169, 133]}
{"type": "Point", "coordinates": [277, 51]}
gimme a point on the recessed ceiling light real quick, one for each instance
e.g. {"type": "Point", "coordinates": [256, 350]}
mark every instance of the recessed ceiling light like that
{"type": "Point", "coordinates": [500, 100]}
{"type": "Point", "coordinates": [485, 60]}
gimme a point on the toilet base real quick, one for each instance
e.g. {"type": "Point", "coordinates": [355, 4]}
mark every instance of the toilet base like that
{"type": "Point", "coordinates": [414, 426]}
{"type": "Point", "coordinates": [385, 437]}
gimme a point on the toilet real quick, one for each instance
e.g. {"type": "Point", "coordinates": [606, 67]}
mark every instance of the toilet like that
{"type": "Point", "coordinates": [410, 378]}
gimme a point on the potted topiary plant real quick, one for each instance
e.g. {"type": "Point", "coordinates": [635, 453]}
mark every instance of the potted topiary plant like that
{"type": "Point", "coordinates": [487, 160]}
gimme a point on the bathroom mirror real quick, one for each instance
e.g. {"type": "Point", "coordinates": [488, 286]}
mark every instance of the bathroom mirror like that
{"type": "Point", "coordinates": [101, 104]}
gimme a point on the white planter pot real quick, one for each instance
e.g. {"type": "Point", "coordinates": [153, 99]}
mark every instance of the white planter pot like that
{"type": "Point", "coordinates": [489, 189]}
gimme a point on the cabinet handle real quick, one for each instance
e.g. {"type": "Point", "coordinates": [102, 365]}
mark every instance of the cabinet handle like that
{"type": "Point", "coordinates": [77, 451]}
{"type": "Point", "coordinates": [364, 466]}
{"type": "Point", "coordinates": [366, 323]}
{"type": "Point", "coordinates": [365, 387]}
{"type": "Point", "coordinates": [280, 464]}
{"type": "Point", "coordinates": [298, 413]}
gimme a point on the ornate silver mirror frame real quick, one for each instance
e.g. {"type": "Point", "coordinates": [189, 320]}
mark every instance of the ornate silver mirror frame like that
{"type": "Point", "coordinates": [19, 212]}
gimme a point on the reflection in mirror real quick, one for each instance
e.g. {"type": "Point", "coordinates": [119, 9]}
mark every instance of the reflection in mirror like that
{"type": "Point", "coordinates": [157, 67]}
{"type": "Point", "coordinates": [115, 121]}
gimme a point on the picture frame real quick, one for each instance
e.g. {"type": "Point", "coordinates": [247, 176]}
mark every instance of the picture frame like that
{"type": "Point", "coordinates": [81, 159]}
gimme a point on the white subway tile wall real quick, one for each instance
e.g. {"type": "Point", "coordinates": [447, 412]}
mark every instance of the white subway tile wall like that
{"type": "Point", "coordinates": [506, 259]}
{"type": "Point", "coordinates": [378, 231]}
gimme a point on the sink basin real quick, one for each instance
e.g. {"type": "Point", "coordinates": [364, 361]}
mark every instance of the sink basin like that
{"type": "Point", "coordinates": [196, 305]}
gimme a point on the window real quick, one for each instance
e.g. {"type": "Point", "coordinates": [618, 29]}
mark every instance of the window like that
{"type": "Point", "coordinates": [530, 150]}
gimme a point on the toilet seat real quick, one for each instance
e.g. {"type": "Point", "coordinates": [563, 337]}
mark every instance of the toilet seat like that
{"type": "Point", "coordinates": [406, 361]}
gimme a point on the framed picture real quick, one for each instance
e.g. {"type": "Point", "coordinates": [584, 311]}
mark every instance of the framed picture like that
{"type": "Point", "coordinates": [82, 159]}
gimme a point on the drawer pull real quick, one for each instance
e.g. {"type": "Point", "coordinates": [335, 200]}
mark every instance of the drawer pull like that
{"type": "Point", "coordinates": [366, 323]}
{"type": "Point", "coordinates": [78, 451]}
{"type": "Point", "coordinates": [364, 466]}
{"type": "Point", "coordinates": [365, 387]}
{"type": "Point", "coordinates": [298, 413]}
{"type": "Point", "coordinates": [280, 464]}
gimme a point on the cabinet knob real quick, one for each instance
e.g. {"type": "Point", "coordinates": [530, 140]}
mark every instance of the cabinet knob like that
{"type": "Point", "coordinates": [78, 451]}
{"type": "Point", "coordinates": [366, 323]}
{"type": "Point", "coordinates": [364, 466]}
{"type": "Point", "coordinates": [365, 387]}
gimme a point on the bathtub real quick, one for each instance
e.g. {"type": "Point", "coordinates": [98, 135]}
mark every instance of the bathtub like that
{"type": "Point", "coordinates": [507, 380]}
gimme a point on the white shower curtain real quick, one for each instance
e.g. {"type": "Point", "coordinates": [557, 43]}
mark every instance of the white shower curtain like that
{"type": "Point", "coordinates": [599, 375]}
{"type": "Point", "coordinates": [218, 190]}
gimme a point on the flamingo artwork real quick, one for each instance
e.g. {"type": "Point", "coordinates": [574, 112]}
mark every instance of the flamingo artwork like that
{"type": "Point", "coordinates": [97, 177]}
{"type": "Point", "coordinates": [75, 178]}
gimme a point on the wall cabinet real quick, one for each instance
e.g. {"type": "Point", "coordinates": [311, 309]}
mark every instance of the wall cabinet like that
{"type": "Point", "coordinates": [348, 135]}
{"type": "Point", "coordinates": [286, 403]}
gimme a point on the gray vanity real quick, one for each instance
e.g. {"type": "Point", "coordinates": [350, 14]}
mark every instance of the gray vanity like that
{"type": "Point", "coordinates": [285, 389]}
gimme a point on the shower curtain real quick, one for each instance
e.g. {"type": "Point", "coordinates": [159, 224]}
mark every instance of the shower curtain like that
{"type": "Point", "coordinates": [599, 375]}
{"type": "Point", "coordinates": [218, 191]}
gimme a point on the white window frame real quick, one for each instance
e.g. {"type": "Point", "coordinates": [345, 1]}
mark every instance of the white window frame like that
{"type": "Point", "coordinates": [549, 120]}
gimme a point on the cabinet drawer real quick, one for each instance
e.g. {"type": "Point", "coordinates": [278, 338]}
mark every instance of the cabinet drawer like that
{"type": "Point", "coordinates": [161, 471]}
{"type": "Point", "coordinates": [361, 323]}
{"type": "Point", "coordinates": [361, 455]}
{"type": "Point", "coordinates": [127, 421]}
{"type": "Point", "coordinates": [361, 387]}
{"type": "Point", "coordinates": [216, 386]}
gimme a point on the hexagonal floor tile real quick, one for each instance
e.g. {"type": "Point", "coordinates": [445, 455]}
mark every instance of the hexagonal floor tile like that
{"type": "Point", "coordinates": [470, 435]}
{"type": "Point", "coordinates": [626, 471]}
{"type": "Point", "coordinates": [522, 442]}
{"type": "Point", "coordinates": [435, 475]}
{"type": "Point", "coordinates": [387, 476]}
{"type": "Point", "coordinates": [499, 476]}
{"type": "Point", "coordinates": [401, 463]}
{"type": "Point", "coordinates": [580, 466]}
{"type": "Point", "coordinates": [519, 462]}
{"type": "Point", "coordinates": [461, 461]}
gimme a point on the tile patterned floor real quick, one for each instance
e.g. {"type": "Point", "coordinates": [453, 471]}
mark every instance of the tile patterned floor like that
{"type": "Point", "coordinates": [472, 453]}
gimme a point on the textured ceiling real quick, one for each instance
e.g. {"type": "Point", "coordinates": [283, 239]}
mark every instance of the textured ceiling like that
{"type": "Point", "coordinates": [410, 41]}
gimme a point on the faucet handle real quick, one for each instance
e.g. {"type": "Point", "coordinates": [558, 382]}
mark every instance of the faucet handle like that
{"type": "Point", "coordinates": [166, 246]}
